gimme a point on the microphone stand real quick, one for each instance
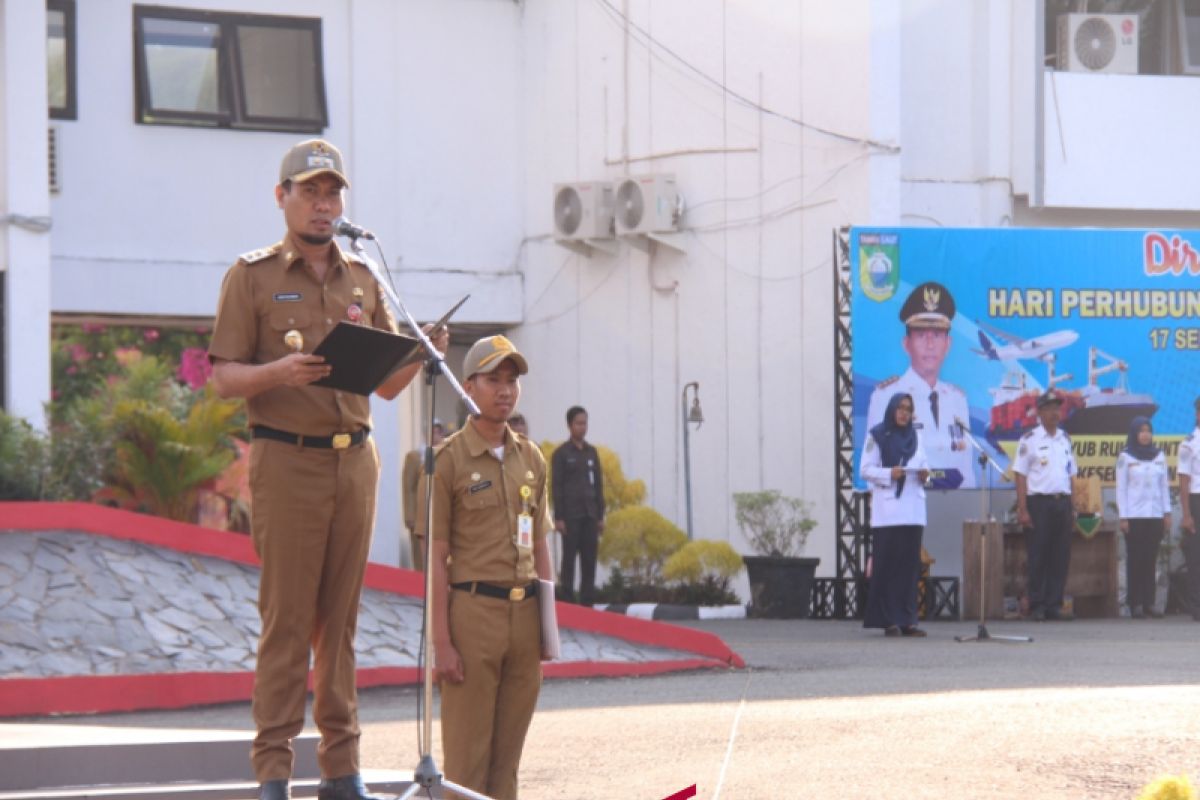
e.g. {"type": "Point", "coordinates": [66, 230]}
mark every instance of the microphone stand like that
{"type": "Point", "coordinates": [426, 775]}
{"type": "Point", "coordinates": [986, 519]}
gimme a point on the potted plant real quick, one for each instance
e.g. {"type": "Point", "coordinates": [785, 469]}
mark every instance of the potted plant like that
{"type": "Point", "coordinates": [777, 527]}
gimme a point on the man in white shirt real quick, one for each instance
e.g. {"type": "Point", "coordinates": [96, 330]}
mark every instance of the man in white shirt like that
{"type": "Point", "coordinates": [1189, 498]}
{"type": "Point", "coordinates": [938, 405]}
{"type": "Point", "coordinates": [1044, 467]}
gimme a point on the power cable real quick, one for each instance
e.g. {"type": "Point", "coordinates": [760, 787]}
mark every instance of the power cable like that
{"type": "Point", "coordinates": [650, 42]}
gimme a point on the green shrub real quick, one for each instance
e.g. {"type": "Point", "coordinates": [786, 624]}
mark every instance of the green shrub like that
{"type": "Point", "coordinates": [161, 462]}
{"type": "Point", "coordinates": [774, 525]}
{"type": "Point", "coordinates": [702, 569]}
{"type": "Point", "coordinates": [638, 540]}
{"type": "Point", "coordinates": [702, 559]}
{"type": "Point", "coordinates": [23, 457]}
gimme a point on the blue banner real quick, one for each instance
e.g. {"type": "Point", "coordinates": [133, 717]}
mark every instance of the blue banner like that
{"type": "Point", "coordinates": [975, 324]}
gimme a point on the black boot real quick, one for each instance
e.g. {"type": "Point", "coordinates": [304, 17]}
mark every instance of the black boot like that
{"type": "Point", "coordinates": [347, 787]}
{"type": "Point", "coordinates": [274, 790]}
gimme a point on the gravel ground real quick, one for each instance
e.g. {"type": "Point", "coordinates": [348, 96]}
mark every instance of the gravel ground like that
{"type": "Point", "coordinates": [827, 710]}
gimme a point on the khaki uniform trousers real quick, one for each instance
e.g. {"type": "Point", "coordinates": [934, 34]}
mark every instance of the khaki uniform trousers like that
{"type": "Point", "coordinates": [485, 718]}
{"type": "Point", "coordinates": [312, 516]}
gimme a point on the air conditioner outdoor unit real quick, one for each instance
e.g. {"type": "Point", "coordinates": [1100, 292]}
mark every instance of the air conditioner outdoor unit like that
{"type": "Point", "coordinates": [583, 211]}
{"type": "Point", "coordinates": [648, 204]}
{"type": "Point", "coordinates": [1098, 43]}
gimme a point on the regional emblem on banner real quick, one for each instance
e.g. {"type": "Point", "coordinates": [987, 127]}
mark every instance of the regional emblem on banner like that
{"type": "Point", "coordinates": [879, 265]}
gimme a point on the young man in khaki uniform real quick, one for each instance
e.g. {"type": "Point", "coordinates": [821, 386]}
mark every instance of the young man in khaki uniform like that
{"type": "Point", "coordinates": [489, 548]}
{"type": "Point", "coordinates": [313, 467]}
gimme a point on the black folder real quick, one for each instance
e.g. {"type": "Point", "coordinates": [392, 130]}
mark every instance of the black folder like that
{"type": "Point", "coordinates": [362, 357]}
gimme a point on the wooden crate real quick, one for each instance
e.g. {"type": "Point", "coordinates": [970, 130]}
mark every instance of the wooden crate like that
{"type": "Point", "coordinates": [1091, 577]}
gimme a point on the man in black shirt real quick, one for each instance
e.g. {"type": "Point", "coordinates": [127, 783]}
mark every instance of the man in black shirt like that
{"type": "Point", "coordinates": [578, 497]}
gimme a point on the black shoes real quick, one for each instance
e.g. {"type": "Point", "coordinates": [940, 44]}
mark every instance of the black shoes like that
{"type": "Point", "coordinates": [891, 630]}
{"type": "Point", "coordinates": [274, 790]}
{"type": "Point", "coordinates": [347, 787]}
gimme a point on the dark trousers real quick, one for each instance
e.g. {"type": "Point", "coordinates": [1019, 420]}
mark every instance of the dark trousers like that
{"type": "Point", "coordinates": [580, 539]}
{"type": "Point", "coordinates": [1049, 550]}
{"type": "Point", "coordinates": [1141, 555]}
{"type": "Point", "coordinates": [1190, 545]}
{"type": "Point", "coordinates": [895, 572]}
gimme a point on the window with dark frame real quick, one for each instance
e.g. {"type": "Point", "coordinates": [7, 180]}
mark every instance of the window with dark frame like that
{"type": "Point", "coordinates": [60, 58]}
{"type": "Point", "coordinates": [215, 69]}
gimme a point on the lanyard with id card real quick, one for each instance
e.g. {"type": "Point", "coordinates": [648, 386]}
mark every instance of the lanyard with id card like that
{"type": "Point", "coordinates": [525, 521]}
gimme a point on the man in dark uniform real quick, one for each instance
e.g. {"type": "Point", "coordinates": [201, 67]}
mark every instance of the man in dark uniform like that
{"type": "Point", "coordinates": [313, 467]}
{"type": "Point", "coordinates": [578, 506]}
{"type": "Point", "coordinates": [1044, 466]}
{"type": "Point", "coordinates": [410, 477]}
{"type": "Point", "coordinates": [489, 548]}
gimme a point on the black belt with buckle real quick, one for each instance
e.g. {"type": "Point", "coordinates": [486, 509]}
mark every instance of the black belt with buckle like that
{"type": "Point", "coordinates": [339, 441]}
{"type": "Point", "coordinates": [515, 593]}
{"type": "Point", "coordinates": [1051, 495]}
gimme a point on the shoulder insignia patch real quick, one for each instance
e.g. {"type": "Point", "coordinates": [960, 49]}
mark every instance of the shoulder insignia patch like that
{"type": "Point", "coordinates": [886, 383]}
{"type": "Point", "coordinates": [254, 256]}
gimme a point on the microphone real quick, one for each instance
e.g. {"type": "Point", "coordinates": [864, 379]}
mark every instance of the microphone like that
{"type": "Point", "coordinates": [344, 227]}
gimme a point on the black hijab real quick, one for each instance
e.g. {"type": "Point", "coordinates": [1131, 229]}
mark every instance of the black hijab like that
{"type": "Point", "coordinates": [1142, 452]}
{"type": "Point", "coordinates": [896, 444]}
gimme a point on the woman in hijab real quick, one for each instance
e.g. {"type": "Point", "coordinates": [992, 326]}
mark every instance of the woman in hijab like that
{"type": "Point", "coordinates": [1144, 505]}
{"type": "Point", "coordinates": [894, 465]}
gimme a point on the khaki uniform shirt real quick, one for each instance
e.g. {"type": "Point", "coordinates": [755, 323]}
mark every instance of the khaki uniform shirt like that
{"type": "Point", "coordinates": [476, 500]}
{"type": "Point", "coordinates": [273, 290]}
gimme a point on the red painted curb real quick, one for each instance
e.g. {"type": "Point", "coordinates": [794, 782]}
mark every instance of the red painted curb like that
{"type": "Point", "coordinates": [96, 693]}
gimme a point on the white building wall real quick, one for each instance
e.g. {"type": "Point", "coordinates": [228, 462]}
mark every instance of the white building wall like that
{"type": "Point", "coordinates": [782, 121]}
{"type": "Point", "coordinates": [424, 100]}
{"type": "Point", "coordinates": [747, 309]}
{"type": "Point", "coordinates": [24, 193]}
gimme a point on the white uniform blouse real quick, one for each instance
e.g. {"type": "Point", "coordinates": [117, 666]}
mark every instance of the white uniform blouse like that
{"type": "Point", "coordinates": [886, 508]}
{"type": "Point", "coordinates": [1142, 491]}
{"type": "Point", "coordinates": [1189, 459]}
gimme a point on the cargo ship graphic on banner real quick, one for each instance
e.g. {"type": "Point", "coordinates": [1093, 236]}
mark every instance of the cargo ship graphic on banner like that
{"type": "Point", "coordinates": [1092, 410]}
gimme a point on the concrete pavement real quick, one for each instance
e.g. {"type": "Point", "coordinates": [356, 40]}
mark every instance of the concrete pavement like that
{"type": "Point", "coordinates": [828, 710]}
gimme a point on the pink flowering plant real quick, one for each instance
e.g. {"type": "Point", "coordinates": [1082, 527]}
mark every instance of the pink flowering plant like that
{"type": "Point", "coordinates": [134, 423]}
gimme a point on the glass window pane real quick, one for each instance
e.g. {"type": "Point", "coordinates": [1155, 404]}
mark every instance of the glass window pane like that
{"type": "Point", "coordinates": [1191, 33]}
{"type": "Point", "coordinates": [279, 72]}
{"type": "Point", "coordinates": [56, 57]}
{"type": "Point", "coordinates": [182, 61]}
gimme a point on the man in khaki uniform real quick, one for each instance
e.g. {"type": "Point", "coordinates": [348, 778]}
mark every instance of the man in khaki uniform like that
{"type": "Point", "coordinates": [313, 467]}
{"type": "Point", "coordinates": [410, 480]}
{"type": "Point", "coordinates": [489, 547]}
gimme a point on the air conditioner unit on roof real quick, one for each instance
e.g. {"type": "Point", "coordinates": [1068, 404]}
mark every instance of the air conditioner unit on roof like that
{"type": "Point", "coordinates": [1098, 43]}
